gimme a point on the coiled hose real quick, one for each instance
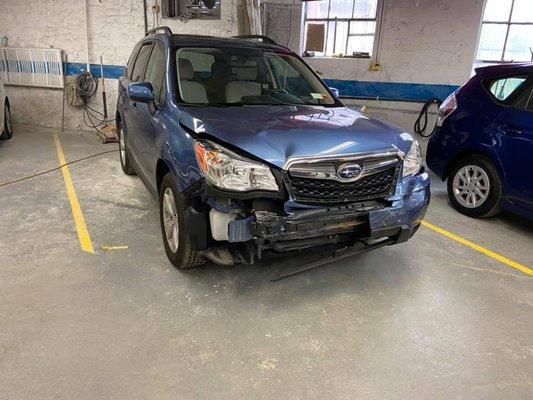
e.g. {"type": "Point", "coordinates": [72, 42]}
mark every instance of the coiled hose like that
{"type": "Point", "coordinates": [421, 123]}
{"type": "Point", "coordinates": [79, 91]}
{"type": "Point", "coordinates": [86, 86]}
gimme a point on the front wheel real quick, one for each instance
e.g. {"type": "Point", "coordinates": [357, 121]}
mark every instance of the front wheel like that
{"type": "Point", "coordinates": [474, 187]}
{"type": "Point", "coordinates": [176, 238]}
{"type": "Point", "coordinates": [8, 123]}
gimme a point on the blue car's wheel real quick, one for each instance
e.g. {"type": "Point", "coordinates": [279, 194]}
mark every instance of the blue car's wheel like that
{"type": "Point", "coordinates": [176, 237]}
{"type": "Point", "coordinates": [474, 187]}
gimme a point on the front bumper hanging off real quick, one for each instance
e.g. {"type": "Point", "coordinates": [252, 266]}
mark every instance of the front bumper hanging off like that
{"type": "Point", "coordinates": [397, 218]}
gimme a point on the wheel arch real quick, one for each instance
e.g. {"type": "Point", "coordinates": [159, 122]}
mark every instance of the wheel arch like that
{"type": "Point", "coordinates": [162, 168]}
{"type": "Point", "coordinates": [472, 152]}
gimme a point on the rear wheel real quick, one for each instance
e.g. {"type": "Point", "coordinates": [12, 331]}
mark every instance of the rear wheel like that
{"type": "Point", "coordinates": [176, 238]}
{"type": "Point", "coordinates": [125, 160]}
{"type": "Point", "coordinates": [8, 123]}
{"type": "Point", "coordinates": [474, 187]}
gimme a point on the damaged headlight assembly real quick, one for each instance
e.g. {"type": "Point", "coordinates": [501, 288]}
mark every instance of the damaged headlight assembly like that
{"type": "Point", "coordinates": [412, 163]}
{"type": "Point", "coordinates": [229, 171]}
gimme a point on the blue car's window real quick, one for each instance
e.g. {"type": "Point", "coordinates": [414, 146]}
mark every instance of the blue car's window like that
{"type": "Point", "coordinates": [140, 63]}
{"type": "Point", "coordinates": [503, 88]}
{"type": "Point", "coordinates": [244, 76]}
{"type": "Point", "coordinates": [155, 71]}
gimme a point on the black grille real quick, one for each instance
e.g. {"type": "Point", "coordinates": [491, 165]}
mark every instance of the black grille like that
{"type": "Point", "coordinates": [319, 191]}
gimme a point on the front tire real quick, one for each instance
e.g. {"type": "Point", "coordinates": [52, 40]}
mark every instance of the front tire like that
{"type": "Point", "coordinates": [474, 187]}
{"type": "Point", "coordinates": [177, 242]}
{"type": "Point", "coordinates": [125, 158]}
{"type": "Point", "coordinates": [8, 124]}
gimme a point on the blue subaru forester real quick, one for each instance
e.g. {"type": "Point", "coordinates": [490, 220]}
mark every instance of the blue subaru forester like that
{"type": "Point", "coordinates": [250, 153]}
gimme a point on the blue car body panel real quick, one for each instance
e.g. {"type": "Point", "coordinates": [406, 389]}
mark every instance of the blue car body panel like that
{"type": "Point", "coordinates": [503, 134]}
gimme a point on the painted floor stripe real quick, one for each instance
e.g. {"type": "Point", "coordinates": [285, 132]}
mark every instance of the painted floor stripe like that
{"type": "Point", "coordinates": [487, 252]}
{"type": "Point", "coordinates": [81, 227]}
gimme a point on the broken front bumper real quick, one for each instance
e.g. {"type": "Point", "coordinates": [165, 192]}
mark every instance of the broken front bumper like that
{"type": "Point", "coordinates": [397, 217]}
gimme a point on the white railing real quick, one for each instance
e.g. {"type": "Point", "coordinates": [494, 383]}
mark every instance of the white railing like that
{"type": "Point", "coordinates": [30, 66]}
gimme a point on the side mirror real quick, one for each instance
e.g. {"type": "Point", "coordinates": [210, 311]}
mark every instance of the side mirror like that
{"type": "Point", "coordinates": [143, 92]}
{"type": "Point", "coordinates": [335, 92]}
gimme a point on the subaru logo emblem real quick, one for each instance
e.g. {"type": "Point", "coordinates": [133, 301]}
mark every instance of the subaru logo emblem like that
{"type": "Point", "coordinates": [349, 172]}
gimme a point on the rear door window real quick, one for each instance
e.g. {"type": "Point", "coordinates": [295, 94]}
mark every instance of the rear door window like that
{"type": "Point", "coordinates": [131, 61]}
{"type": "Point", "coordinates": [507, 90]}
{"type": "Point", "coordinates": [155, 71]}
{"type": "Point", "coordinates": [137, 74]}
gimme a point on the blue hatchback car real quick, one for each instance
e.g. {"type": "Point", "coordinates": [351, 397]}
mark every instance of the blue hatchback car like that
{"type": "Point", "coordinates": [249, 153]}
{"type": "Point", "coordinates": [484, 146]}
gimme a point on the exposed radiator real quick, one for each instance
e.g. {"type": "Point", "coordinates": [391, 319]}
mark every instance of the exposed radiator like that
{"type": "Point", "coordinates": [30, 66]}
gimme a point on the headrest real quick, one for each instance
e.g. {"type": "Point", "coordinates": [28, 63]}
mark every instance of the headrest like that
{"type": "Point", "coordinates": [185, 71]}
{"type": "Point", "coordinates": [220, 69]}
{"type": "Point", "coordinates": [247, 73]}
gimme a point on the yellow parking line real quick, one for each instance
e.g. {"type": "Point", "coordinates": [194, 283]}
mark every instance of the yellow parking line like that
{"type": "Point", "coordinates": [81, 228]}
{"type": "Point", "coordinates": [479, 248]}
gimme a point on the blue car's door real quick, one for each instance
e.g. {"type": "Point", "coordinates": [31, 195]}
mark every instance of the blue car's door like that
{"type": "Point", "coordinates": [152, 116]}
{"type": "Point", "coordinates": [135, 120]}
{"type": "Point", "coordinates": [514, 126]}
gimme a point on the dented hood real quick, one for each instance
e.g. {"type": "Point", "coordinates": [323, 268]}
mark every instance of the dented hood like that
{"type": "Point", "coordinates": [275, 133]}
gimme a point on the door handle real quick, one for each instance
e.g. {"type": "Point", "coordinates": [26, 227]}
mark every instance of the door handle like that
{"type": "Point", "coordinates": [511, 130]}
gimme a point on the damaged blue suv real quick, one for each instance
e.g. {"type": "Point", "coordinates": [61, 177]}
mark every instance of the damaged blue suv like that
{"type": "Point", "coordinates": [250, 153]}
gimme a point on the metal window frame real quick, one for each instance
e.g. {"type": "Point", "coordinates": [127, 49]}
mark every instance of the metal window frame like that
{"type": "Point", "coordinates": [508, 23]}
{"type": "Point", "coordinates": [377, 19]}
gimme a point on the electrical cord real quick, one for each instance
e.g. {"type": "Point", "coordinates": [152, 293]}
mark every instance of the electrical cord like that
{"type": "Point", "coordinates": [56, 168]}
{"type": "Point", "coordinates": [421, 123]}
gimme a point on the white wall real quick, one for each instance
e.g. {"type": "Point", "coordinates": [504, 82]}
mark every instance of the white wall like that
{"type": "Point", "coordinates": [422, 41]}
{"type": "Point", "coordinates": [114, 28]}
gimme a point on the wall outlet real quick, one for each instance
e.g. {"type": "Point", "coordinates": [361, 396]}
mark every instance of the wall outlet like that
{"type": "Point", "coordinates": [374, 66]}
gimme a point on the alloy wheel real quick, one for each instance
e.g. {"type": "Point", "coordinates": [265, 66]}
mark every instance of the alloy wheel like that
{"type": "Point", "coordinates": [170, 220]}
{"type": "Point", "coordinates": [471, 186]}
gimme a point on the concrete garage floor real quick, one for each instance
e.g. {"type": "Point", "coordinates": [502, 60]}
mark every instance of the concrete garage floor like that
{"type": "Point", "coordinates": [430, 319]}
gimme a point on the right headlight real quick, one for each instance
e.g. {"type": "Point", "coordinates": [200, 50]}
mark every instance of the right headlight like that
{"type": "Point", "coordinates": [412, 163]}
{"type": "Point", "coordinates": [229, 171]}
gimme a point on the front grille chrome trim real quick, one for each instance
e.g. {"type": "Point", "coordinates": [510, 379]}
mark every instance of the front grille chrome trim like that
{"type": "Point", "coordinates": [328, 172]}
{"type": "Point", "coordinates": [344, 158]}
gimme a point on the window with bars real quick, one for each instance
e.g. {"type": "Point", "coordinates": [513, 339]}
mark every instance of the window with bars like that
{"type": "Point", "coordinates": [341, 27]}
{"type": "Point", "coordinates": [506, 31]}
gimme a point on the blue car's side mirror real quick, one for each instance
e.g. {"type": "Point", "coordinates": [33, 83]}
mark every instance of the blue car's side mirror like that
{"type": "Point", "coordinates": [335, 92]}
{"type": "Point", "coordinates": [143, 92]}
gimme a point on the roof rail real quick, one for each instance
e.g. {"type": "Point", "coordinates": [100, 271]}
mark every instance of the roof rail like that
{"type": "Point", "coordinates": [166, 29]}
{"type": "Point", "coordinates": [262, 38]}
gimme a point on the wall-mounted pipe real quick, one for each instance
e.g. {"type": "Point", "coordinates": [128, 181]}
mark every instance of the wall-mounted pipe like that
{"type": "Point", "coordinates": [145, 17]}
{"type": "Point", "coordinates": [87, 34]}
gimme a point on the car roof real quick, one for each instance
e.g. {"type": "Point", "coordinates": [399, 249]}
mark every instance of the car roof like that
{"type": "Point", "coordinates": [494, 70]}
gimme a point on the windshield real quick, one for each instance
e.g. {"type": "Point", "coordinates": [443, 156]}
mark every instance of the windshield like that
{"type": "Point", "coordinates": [243, 76]}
